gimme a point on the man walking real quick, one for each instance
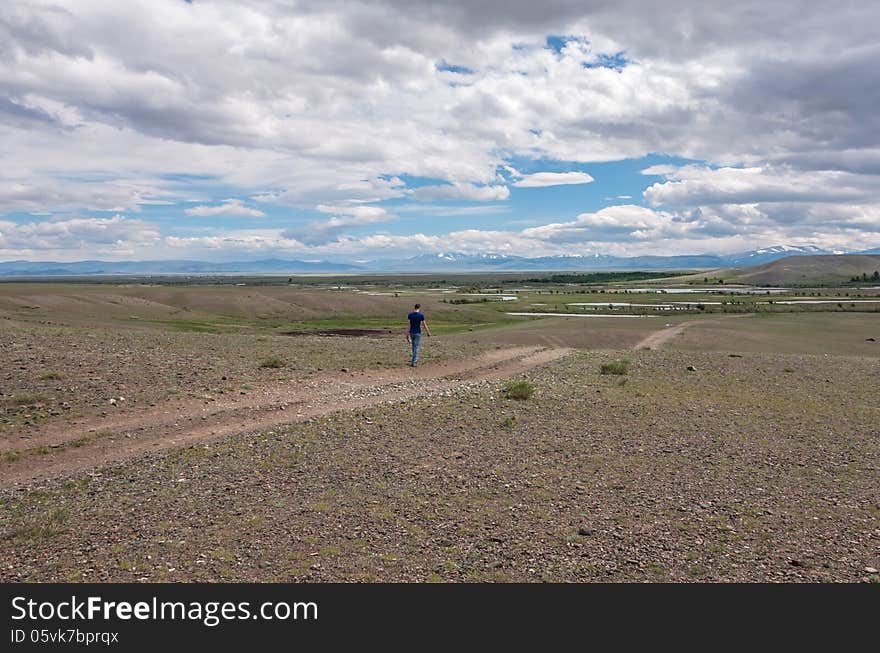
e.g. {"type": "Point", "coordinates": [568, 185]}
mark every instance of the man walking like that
{"type": "Point", "coordinates": [416, 320]}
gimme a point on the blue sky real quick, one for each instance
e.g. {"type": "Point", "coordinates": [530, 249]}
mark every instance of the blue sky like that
{"type": "Point", "coordinates": [615, 183]}
{"type": "Point", "coordinates": [362, 130]}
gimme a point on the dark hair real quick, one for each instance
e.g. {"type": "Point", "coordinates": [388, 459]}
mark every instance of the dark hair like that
{"type": "Point", "coordinates": [418, 306]}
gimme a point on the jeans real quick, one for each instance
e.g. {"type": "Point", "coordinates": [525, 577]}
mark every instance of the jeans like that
{"type": "Point", "coordinates": [414, 338]}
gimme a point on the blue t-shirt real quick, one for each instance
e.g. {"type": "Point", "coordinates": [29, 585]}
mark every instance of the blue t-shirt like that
{"type": "Point", "coordinates": [415, 321]}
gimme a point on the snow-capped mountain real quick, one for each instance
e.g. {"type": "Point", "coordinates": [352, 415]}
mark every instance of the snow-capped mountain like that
{"type": "Point", "coordinates": [444, 261]}
{"type": "Point", "coordinates": [769, 254]}
{"type": "Point", "coordinates": [458, 261]}
{"type": "Point", "coordinates": [428, 262]}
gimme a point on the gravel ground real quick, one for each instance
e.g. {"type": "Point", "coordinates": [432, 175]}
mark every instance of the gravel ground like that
{"type": "Point", "coordinates": [751, 468]}
{"type": "Point", "coordinates": [50, 373]}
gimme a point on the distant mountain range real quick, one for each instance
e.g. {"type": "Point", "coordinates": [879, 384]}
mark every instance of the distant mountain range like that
{"type": "Point", "coordinates": [439, 262]}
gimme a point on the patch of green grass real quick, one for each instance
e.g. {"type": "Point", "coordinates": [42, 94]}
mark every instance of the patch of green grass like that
{"type": "Point", "coordinates": [519, 390]}
{"type": "Point", "coordinates": [698, 572]}
{"type": "Point", "coordinates": [25, 399]}
{"type": "Point", "coordinates": [715, 548]}
{"type": "Point", "coordinates": [191, 326]}
{"type": "Point", "coordinates": [40, 495]}
{"type": "Point", "coordinates": [509, 422]}
{"type": "Point", "coordinates": [349, 323]}
{"type": "Point", "coordinates": [223, 554]}
{"type": "Point", "coordinates": [618, 367]}
{"type": "Point", "coordinates": [273, 362]}
{"type": "Point", "coordinates": [44, 526]}
{"type": "Point", "coordinates": [10, 456]}
{"type": "Point", "coordinates": [654, 568]}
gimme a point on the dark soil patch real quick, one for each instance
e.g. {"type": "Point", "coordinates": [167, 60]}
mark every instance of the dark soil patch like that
{"type": "Point", "coordinates": [344, 333]}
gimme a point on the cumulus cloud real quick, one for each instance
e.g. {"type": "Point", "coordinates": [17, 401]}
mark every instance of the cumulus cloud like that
{"type": "Point", "coordinates": [38, 193]}
{"type": "Point", "coordinates": [113, 106]}
{"type": "Point", "coordinates": [461, 191]}
{"type": "Point", "coordinates": [324, 231]}
{"type": "Point", "coordinates": [611, 223]}
{"type": "Point", "coordinates": [445, 210]}
{"type": "Point", "coordinates": [695, 185]}
{"type": "Point", "coordinates": [116, 236]}
{"type": "Point", "coordinates": [541, 179]}
{"type": "Point", "coordinates": [660, 235]}
{"type": "Point", "coordinates": [229, 207]}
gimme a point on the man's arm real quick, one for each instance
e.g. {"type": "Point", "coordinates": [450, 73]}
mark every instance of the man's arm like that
{"type": "Point", "coordinates": [425, 324]}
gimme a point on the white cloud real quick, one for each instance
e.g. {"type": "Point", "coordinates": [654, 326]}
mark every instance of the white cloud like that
{"type": "Point", "coordinates": [662, 170]}
{"type": "Point", "coordinates": [444, 210]}
{"type": "Point", "coordinates": [77, 237]}
{"type": "Point", "coordinates": [34, 193]}
{"type": "Point", "coordinates": [627, 231]}
{"type": "Point", "coordinates": [669, 236]}
{"type": "Point", "coordinates": [363, 212]}
{"type": "Point", "coordinates": [696, 185]}
{"type": "Point", "coordinates": [234, 207]}
{"type": "Point", "coordinates": [461, 191]}
{"type": "Point", "coordinates": [611, 223]}
{"type": "Point", "coordinates": [113, 106]}
{"type": "Point", "coordinates": [542, 179]}
{"type": "Point", "coordinates": [348, 217]}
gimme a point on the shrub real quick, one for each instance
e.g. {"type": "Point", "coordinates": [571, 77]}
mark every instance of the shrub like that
{"type": "Point", "coordinates": [274, 362]}
{"type": "Point", "coordinates": [618, 367]}
{"type": "Point", "coordinates": [520, 390]}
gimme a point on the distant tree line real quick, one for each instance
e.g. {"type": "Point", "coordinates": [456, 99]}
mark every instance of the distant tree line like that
{"type": "Point", "coordinates": [864, 277]}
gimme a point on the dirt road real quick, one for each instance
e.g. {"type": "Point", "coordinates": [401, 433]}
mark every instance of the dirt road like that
{"type": "Point", "coordinates": [659, 338]}
{"type": "Point", "coordinates": [80, 445]}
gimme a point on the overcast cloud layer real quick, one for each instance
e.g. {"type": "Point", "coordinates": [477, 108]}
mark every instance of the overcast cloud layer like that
{"type": "Point", "coordinates": [344, 128]}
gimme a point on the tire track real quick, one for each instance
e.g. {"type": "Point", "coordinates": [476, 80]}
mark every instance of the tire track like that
{"type": "Point", "coordinates": [87, 444]}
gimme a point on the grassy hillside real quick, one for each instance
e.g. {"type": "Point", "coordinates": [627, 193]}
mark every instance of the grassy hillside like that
{"type": "Point", "coordinates": [804, 270]}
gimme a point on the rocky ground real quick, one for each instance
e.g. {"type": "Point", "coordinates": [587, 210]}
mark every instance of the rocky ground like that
{"type": "Point", "coordinates": [743, 468]}
{"type": "Point", "coordinates": [53, 374]}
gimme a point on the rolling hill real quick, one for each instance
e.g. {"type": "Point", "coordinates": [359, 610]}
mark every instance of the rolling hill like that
{"type": "Point", "coordinates": [804, 270]}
